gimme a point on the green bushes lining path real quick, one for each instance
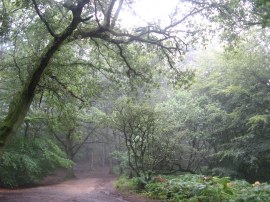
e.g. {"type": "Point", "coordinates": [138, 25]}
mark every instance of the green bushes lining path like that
{"type": "Point", "coordinates": [197, 188]}
{"type": "Point", "coordinates": [27, 161]}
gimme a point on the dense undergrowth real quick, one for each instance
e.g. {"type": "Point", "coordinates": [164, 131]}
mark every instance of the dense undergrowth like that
{"type": "Point", "coordinates": [197, 188]}
{"type": "Point", "coordinates": [27, 161]}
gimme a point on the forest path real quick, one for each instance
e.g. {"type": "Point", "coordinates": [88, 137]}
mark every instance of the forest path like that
{"type": "Point", "coordinates": [88, 186]}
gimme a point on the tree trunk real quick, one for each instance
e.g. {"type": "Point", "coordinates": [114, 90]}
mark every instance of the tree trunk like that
{"type": "Point", "coordinates": [92, 159]}
{"type": "Point", "coordinates": [103, 154]}
{"type": "Point", "coordinates": [16, 114]}
{"type": "Point", "coordinates": [21, 102]}
{"type": "Point", "coordinates": [70, 173]}
{"type": "Point", "coordinates": [70, 154]}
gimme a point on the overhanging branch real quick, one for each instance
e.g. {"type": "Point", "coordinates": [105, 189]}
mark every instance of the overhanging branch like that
{"type": "Point", "coordinates": [66, 88]}
{"type": "Point", "coordinates": [43, 19]}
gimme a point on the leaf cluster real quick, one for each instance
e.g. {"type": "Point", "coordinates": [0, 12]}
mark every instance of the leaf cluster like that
{"type": "Point", "coordinates": [206, 188]}
{"type": "Point", "coordinates": [27, 161]}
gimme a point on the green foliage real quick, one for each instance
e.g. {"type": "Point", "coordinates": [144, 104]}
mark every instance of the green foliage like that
{"type": "Point", "coordinates": [223, 120]}
{"type": "Point", "coordinates": [150, 143]}
{"type": "Point", "coordinates": [199, 188]}
{"type": "Point", "coordinates": [195, 118]}
{"type": "Point", "coordinates": [27, 160]}
{"type": "Point", "coordinates": [239, 84]}
{"type": "Point", "coordinates": [122, 159]}
{"type": "Point", "coordinates": [262, 9]}
{"type": "Point", "coordinates": [125, 184]}
{"type": "Point", "coordinates": [137, 123]}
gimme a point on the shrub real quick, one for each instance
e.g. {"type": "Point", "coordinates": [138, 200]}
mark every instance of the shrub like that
{"type": "Point", "coordinates": [125, 184]}
{"type": "Point", "coordinates": [199, 188]}
{"type": "Point", "coordinates": [27, 160]}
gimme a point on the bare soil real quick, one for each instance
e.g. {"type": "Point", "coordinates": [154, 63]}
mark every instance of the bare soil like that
{"type": "Point", "coordinates": [88, 186]}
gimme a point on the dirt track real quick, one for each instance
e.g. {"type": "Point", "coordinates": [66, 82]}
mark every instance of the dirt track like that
{"type": "Point", "coordinates": [90, 186]}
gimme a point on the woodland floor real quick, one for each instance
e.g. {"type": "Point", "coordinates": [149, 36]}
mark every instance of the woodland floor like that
{"type": "Point", "coordinates": [88, 186]}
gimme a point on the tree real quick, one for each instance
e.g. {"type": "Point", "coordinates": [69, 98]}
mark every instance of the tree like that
{"type": "Point", "coordinates": [236, 85]}
{"type": "Point", "coordinates": [72, 128]}
{"type": "Point", "coordinates": [151, 142]}
{"type": "Point", "coordinates": [138, 126]}
{"type": "Point", "coordinates": [39, 34]}
{"type": "Point", "coordinates": [196, 119]}
{"type": "Point", "coordinates": [223, 118]}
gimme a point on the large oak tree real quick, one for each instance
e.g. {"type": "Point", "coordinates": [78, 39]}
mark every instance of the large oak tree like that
{"type": "Point", "coordinates": [38, 37]}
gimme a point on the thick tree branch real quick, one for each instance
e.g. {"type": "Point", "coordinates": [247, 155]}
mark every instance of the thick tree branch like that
{"type": "Point", "coordinates": [130, 69]}
{"type": "Point", "coordinates": [21, 102]}
{"type": "Point", "coordinates": [108, 15]}
{"type": "Point", "coordinates": [83, 142]}
{"type": "Point", "coordinates": [115, 17]}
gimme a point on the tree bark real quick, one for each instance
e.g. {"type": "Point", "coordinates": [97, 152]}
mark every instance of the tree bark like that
{"type": "Point", "coordinates": [21, 102]}
{"type": "Point", "coordinates": [70, 154]}
{"type": "Point", "coordinates": [92, 159]}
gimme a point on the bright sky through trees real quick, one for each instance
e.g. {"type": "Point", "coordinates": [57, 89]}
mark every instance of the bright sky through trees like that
{"type": "Point", "coordinates": [146, 11]}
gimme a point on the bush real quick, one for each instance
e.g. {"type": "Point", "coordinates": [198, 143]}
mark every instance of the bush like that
{"type": "Point", "coordinates": [125, 184]}
{"type": "Point", "coordinates": [208, 189]}
{"type": "Point", "coordinates": [122, 166]}
{"type": "Point", "coordinates": [27, 160]}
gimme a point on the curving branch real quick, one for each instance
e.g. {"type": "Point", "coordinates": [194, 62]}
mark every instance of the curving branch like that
{"type": "Point", "coordinates": [77, 147]}
{"type": "Point", "coordinates": [130, 69]}
{"type": "Point", "coordinates": [66, 88]}
{"type": "Point", "coordinates": [161, 39]}
{"type": "Point", "coordinates": [115, 17]}
{"type": "Point", "coordinates": [21, 102]}
{"type": "Point", "coordinates": [96, 3]}
{"type": "Point", "coordinates": [43, 19]}
{"type": "Point", "coordinates": [108, 15]}
{"type": "Point", "coordinates": [193, 12]}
